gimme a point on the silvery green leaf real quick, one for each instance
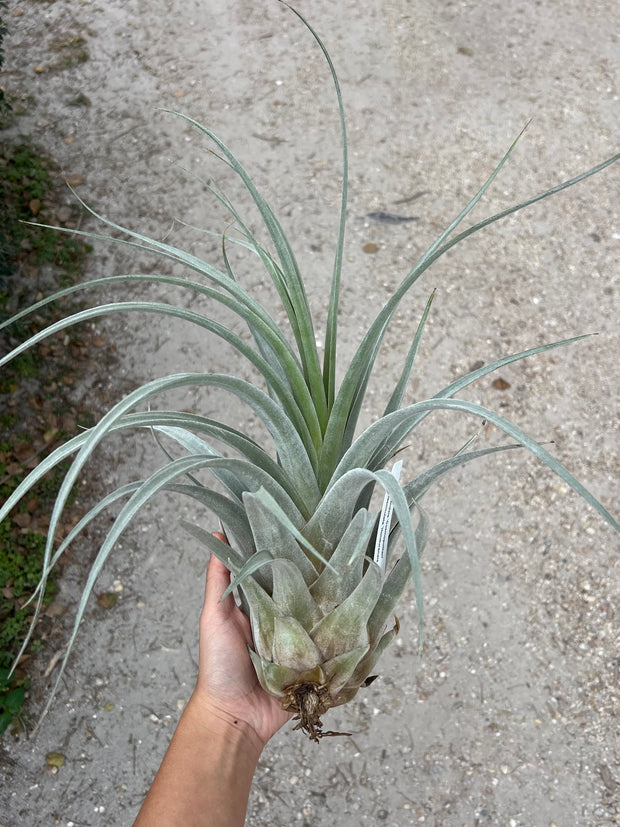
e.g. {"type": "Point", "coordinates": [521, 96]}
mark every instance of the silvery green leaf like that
{"type": "Point", "coordinates": [339, 669]}
{"type": "Point", "coordinates": [270, 534]}
{"type": "Point", "coordinates": [335, 584]}
{"type": "Point", "coordinates": [293, 647]}
{"type": "Point", "coordinates": [345, 627]}
{"type": "Point", "coordinates": [291, 594]}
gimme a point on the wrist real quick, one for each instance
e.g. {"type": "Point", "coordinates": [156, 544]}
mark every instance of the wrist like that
{"type": "Point", "coordinates": [216, 724]}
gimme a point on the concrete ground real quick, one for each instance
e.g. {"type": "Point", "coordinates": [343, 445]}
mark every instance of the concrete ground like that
{"type": "Point", "coordinates": [510, 714]}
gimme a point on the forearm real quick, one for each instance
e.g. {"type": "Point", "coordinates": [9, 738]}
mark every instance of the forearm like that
{"type": "Point", "coordinates": [206, 775]}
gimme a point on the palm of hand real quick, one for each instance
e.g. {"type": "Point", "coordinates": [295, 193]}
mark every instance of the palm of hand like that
{"type": "Point", "coordinates": [226, 676]}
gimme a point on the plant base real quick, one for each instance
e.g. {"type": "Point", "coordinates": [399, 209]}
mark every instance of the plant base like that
{"type": "Point", "coordinates": [309, 701]}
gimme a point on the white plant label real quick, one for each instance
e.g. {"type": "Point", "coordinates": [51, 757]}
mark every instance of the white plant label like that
{"type": "Point", "coordinates": [385, 519]}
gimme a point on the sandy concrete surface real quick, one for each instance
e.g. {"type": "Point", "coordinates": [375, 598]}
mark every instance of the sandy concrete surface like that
{"type": "Point", "coordinates": [510, 714]}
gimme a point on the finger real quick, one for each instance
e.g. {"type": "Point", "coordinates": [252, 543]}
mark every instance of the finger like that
{"type": "Point", "coordinates": [218, 580]}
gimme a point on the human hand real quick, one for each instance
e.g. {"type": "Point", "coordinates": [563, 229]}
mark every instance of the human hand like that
{"type": "Point", "coordinates": [207, 772]}
{"type": "Point", "coordinates": [227, 683]}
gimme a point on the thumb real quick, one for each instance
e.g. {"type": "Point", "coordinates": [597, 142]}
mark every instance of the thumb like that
{"type": "Point", "coordinates": [218, 580]}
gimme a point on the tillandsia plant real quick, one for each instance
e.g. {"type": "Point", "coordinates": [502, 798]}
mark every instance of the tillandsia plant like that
{"type": "Point", "coordinates": [317, 571]}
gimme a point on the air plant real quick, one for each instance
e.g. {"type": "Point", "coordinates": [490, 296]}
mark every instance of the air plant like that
{"type": "Point", "coordinates": [318, 572]}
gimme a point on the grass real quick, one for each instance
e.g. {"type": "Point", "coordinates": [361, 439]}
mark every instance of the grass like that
{"type": "Point", "coordinates": [29, 189]}
{"type": "Point", "coordinates": [21, 558]}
